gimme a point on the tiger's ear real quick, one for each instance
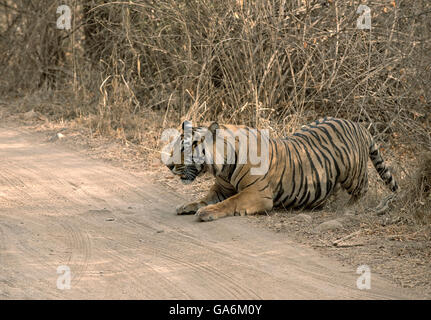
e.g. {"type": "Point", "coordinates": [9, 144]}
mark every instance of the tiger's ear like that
{"type": "Point", "coordinates": [213, 127]}
{"type": "Point", "coordinates": [186, 123]}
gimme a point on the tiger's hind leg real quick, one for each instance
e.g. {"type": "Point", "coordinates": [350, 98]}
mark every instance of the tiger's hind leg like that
{"type": "Point", "coordinates": [335, 192]}
{"type": "Point", "coordinates": [362, 189]}
{"type": "Point", "coordinates": [359, 191]}
{"type": "Point", "coordinates": [247, 202]}
{"type": "Point", "coordinates": [330, 198]}
{"type": "Point", "coordinates": [384, 204]}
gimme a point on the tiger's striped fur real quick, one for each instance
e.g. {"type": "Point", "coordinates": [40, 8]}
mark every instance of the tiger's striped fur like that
{"type": "Point", "coordinates": [304, 170]}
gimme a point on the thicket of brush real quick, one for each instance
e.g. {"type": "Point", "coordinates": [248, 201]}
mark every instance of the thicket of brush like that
{"type": "Point", "coordinates": [267, 63]}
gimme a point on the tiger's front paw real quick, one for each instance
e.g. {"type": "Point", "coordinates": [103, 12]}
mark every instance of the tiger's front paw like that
{"type": "Point", "coordinates": [208, 213]}
{"type": "Point", "coordinates": [188, 208]}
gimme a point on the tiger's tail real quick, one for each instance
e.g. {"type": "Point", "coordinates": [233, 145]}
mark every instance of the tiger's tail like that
{"type": "Point", "coordinates": [381, 167]}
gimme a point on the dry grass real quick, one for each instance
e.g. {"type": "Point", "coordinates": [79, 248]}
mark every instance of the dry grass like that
{"type": "Point", "coordinates": [415, 200]}
{"type": "Point", "coordinates": [130, 69]}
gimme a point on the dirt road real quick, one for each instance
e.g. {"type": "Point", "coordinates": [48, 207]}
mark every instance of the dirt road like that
{"type": "Point", "coordinates": [118, 234]}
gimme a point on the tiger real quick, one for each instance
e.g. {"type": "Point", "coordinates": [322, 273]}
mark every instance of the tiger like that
{"type": "Point", "coordinates": [303, 170]}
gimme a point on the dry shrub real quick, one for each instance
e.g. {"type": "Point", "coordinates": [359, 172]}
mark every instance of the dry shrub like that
{"type": "Point", "coordinates": [32, 48]}
{"type": "Point", "coordinates": [423, 179]}
{"type": "Point", "coordinates": [266, 63]}
{"type": "Point", "coordinates": [262, 63]}
{"type": "Point", "coordinates": [274, 64]}
{"type": "Point", "coordinates": [415, 199]}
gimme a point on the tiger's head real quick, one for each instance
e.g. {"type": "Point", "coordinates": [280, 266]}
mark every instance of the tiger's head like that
{"type": "Point", "coordinates": [189, 151]}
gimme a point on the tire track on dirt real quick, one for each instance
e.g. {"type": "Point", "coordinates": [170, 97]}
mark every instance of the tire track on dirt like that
{"type": "Point", "coordinates": [79, 244]}
{"type": "Point", "coordinates": [177, 254]}
{"type": "Point", "coordinates": [119, 234]}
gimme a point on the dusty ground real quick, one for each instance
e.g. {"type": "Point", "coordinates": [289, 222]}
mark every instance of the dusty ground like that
{"type": "Point", "coordinates": [398, 252]}
{"type": "Point", "coordinates": [116, 230]}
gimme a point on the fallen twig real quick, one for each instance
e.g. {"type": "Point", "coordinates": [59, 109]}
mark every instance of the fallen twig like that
{"type": "Point", "coordinates": [336, 242]}
{"type": "Point", "coordinates": [350, 245]}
